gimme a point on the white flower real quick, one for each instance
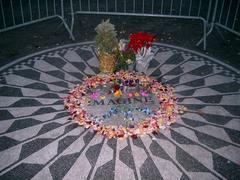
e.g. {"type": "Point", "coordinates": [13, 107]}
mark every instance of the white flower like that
{"type": "Point", "coordinates": [121, 45]}
{"type": "Point", "coordinates": [129, 61]}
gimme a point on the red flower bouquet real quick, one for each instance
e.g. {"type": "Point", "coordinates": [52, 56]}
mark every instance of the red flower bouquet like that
{"type": "Point", "coordinates": [138, 48]}
{"type": "Point", "coordinates": [141, 43]}
{"type": "Point", "coordinates": [140, 40]}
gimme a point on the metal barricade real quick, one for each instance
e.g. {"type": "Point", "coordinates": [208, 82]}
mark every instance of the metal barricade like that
{"type": "Point", "coordinates": [183, 9]}
{"type": "Point", "coordinates": [222, 13]}
{"type": "Point", "coordinates": [18, 13]}
{"type": "Point", "coordinates": [228, 15]}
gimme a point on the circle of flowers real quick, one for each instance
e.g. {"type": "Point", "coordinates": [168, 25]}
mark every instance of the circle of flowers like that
{"type": "Point", "coordinates": [164, 116]}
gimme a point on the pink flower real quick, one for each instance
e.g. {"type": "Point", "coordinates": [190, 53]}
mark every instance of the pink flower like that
{"type": "Point", "coordinates": [143, 93]}
{"type": "Point", "coordinates": [130, 94]}
{"type": "Point", "coordinates": [95, 95]}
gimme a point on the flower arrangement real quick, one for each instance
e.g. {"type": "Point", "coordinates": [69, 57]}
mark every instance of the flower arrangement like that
{"type": "Point", "coordinates": [109, 49]}
{"type": "Point", "coordinates": [107, 45]}
{"type": "Point", "coordinates": [125, 57]}
{"type": "Point", "coordinates": [161, 118]}
{"type": "Point", "coordinates": [141, 43]}
{"type": "Point", "coordinates": [106, 38]}
{"type": "Point", "coordinates": [138, 48]}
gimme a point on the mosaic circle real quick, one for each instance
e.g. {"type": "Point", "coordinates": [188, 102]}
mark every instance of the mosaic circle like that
{"type": "Point", "coordinates": [122, 104]}
{"type": "Point", "coordinates": [39, 140]}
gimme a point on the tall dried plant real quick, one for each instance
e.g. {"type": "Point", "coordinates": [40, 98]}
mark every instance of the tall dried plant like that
{"type": "Point", "coordinates": [106, 38]}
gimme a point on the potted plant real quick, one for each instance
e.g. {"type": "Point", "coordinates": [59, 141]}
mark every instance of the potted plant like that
{"type": "Point", "coordinates": [107, 46]}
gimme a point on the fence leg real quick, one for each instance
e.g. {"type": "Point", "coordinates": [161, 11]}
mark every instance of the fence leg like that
{"type": "Point", "coordinates": [69, 31]}
{"type": "Point", "coordinates": [62, 17]}
{"type": "Point", "coordinates": [204, 35]}
{"type": "Point", "coordinates": [72, 16]}
{"type": "Point", "coordinates": [204, 39]}
{"type": "Point", "coordinates": [208, 33]}
{"type": "Point", "coordinates": [72, 22]}
{"type": "Point", "coordinates": [67, 28]}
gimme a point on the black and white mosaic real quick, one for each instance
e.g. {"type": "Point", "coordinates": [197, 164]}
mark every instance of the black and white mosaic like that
{"type": "Point", "coordinates": [38, 140]}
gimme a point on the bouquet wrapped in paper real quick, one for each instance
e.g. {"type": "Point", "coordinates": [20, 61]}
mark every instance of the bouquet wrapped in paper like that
{"type": "Point", "coordinates": [141, 43]}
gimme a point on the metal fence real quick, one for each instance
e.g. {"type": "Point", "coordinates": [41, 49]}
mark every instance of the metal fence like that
{"type": "Point", "coordinates": [228, 15]}
{"type": "Point", "coordinates": [18, 13]}
{"type": "Point", "coordinates": [183, 9]}
{"type": "Point", "coordinates": [222, 13]}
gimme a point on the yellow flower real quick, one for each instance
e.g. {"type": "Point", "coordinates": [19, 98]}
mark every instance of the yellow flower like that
{"type": "Point", "coordinates": [137, 94]}
{"type": "Point", "coordinates": [118, 93]}
{"type": "Point", "coordinates": [160, 122]}
{"type": "Point", "coordinates": [169, 110]}
{"type": "Point", "coordinates": [102, 97]}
